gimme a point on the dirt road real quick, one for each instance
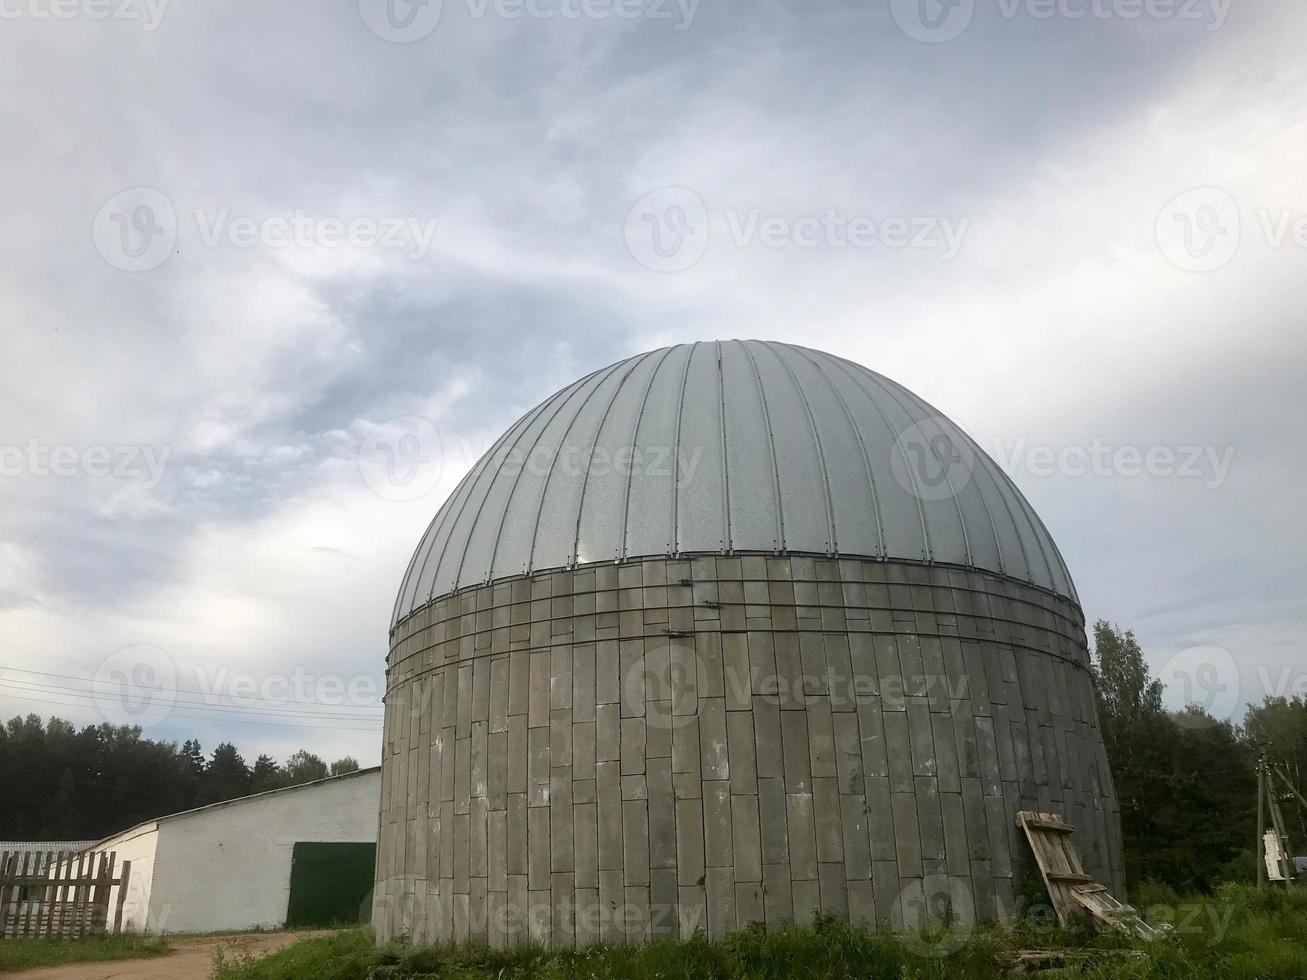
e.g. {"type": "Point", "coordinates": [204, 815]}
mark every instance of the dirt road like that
{"type": "Point", "coordinates": [191, 959]}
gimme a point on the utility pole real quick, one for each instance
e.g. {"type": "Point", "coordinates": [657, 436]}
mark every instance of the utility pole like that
{"type": "Point", "coordinates": [1261, 823]}
{"type": "Point", "coordinates": [1268, 804]}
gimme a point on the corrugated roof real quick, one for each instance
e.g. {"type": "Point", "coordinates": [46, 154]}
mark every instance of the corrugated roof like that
{"type": "Point", "coordinates": [730, 447]}
{"type": "Point", "coordinates": [44, 845]}
{"type": "Point", "coordinates": [237, 800]}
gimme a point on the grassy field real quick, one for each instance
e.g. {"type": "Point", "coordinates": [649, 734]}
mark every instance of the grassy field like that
{"type": "Point", "coordinates": [1234, 935]}
{"type": "Point", "coordinates": [22, 954]}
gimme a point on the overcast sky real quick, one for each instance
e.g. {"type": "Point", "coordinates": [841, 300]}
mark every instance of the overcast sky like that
{"type": "Point", "coordinates": [1102, 249]}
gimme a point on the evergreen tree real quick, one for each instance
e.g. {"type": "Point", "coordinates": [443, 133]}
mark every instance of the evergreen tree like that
{"type": "Point", "coordinates": [226, 777]}
{"type": "Point", "coordinates": [267, 775]}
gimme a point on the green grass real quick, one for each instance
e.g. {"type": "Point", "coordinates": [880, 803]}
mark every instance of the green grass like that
{"type": "Point", "coordinates": [1238, 934]}
{"type": "Point", "coordinates": [24, 954]}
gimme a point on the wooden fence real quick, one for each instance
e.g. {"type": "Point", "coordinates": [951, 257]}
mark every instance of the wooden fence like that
{"type": "Point", "coordinates": [60, 893]}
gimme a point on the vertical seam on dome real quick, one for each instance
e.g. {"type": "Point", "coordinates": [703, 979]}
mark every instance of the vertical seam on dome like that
{"type": "Point", "coordinates": [1028, 512]}
{"type": "Point", "coordinates": [462, 558]}
{"type": "Point", "coordinates": [771, 448]}
{"type": "Point", "coordinates": [927, 551]}
{"type": "Point", "coordinates": [675, 529]}
{"type": "Point", "coordinates": [728, 539]}
{"type": "Point", "coordinates": [1037, 529]}
{"type": "Point", "coordinates": [403, 583]}
{"type": "Point", "coordinates": [983, 463]}
{"type": "Point", "coordinates": [508, 502]}
{"type": "Point", "coordinates": [979, 457]}
{"type": "Point", "coordinates": [832, 544]}
{"type": "Point", "coordinates": [953, 493]}
{"type": "Point", "coordinates": [635, 362]}
{"type": "Point", "coordinates": [1007, 507]}
{"type": "Point", "coordinates": [447, 511]}
{"type": "Point", "coordinates": [635, 441]}
{"type": "Point", "coordinates": [553, 463]}
{"type": "Point", "coordinates": [862, 447]}
{"type": "Point", "coordinates": [1057, 552]}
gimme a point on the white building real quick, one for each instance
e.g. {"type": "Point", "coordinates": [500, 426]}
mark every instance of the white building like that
{"type": "Point", "coordinates": [300, 856]}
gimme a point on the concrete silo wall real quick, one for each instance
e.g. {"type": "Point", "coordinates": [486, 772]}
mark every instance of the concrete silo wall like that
{"type": "Point", "coordinates": [638, 750]}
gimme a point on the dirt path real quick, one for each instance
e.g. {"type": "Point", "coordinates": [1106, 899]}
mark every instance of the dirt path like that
{"type": "Point", "coordinates": [191, 959]}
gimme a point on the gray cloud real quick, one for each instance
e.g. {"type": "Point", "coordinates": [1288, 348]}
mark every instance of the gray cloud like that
{"type": "Point", "coordinates": [260, 369]}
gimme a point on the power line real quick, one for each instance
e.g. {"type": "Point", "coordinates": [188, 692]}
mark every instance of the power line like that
{"type": "Point", "coordinates": [180, 690]}
{"type": "Point", "coordinates": [243, 721]}
{"type": "Point", "coordinates": [165, 697]}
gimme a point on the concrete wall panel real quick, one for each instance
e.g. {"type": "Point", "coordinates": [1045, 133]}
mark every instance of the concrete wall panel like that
{"type": "Point", "coordinates": [655, 748]}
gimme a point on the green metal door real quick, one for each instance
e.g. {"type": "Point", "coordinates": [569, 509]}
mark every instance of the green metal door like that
{"type": "Point", "coordinates": [329, 883]}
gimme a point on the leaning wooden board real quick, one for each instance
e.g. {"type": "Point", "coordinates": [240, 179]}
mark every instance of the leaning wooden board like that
{"type": "Point", "coordinates": [1059, 864]}
{"type": "Point", "coordinates": [1072, 891]}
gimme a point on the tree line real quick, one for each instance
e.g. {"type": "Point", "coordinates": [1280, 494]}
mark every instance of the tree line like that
{"type": "Point", "coordinates": [1185, 781]}
{"type": "Point", "coordinates": [58, 782]}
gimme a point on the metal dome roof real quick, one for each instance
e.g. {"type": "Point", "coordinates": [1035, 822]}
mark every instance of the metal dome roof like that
{"type": "Point", "coordinates": [730, 446]}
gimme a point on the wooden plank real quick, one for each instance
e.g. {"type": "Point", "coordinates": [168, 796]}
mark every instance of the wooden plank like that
{"type": "Point", "coordinates": [123, 880]}
{"type": "Point", "coordinates": [102, 892]}
{"type": "Point", "coordinates": [79, 894]}
{"type": "Point", "coordinates": [1055, 825]}
{"type": "Point", "coordinates": [66, 904]}
{"type": "Point", "coordinates": [1059, 865]}
{"type": "Point", "coordinates": [1112, 913]}
{"type": "Point", "coordinates": [45, 920]}
{"type": "Point", "coordinates": [24, 898]}
{"type": "Point", "coordinates": [1072, 891]}
{"type": "Point", "coordinates": [6, 892]}
{"type": "Point", "coordinates": [48, 893]}
{"type": "Point", "coordinates": [56, 893]}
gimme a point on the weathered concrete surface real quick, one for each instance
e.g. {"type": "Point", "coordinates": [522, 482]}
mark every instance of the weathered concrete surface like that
{"type": "Point", "coordinates": [659, 747]}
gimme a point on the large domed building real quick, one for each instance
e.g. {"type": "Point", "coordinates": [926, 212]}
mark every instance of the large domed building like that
{"type": "Point", "coordinates": [725, 633]}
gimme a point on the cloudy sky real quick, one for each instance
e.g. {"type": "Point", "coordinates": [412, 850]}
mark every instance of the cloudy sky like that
{"type": "Point", "coordinates": [246, 246]}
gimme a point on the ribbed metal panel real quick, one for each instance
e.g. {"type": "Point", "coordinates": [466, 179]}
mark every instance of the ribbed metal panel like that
{"type": "Point", "coordinates": [729, 446]}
